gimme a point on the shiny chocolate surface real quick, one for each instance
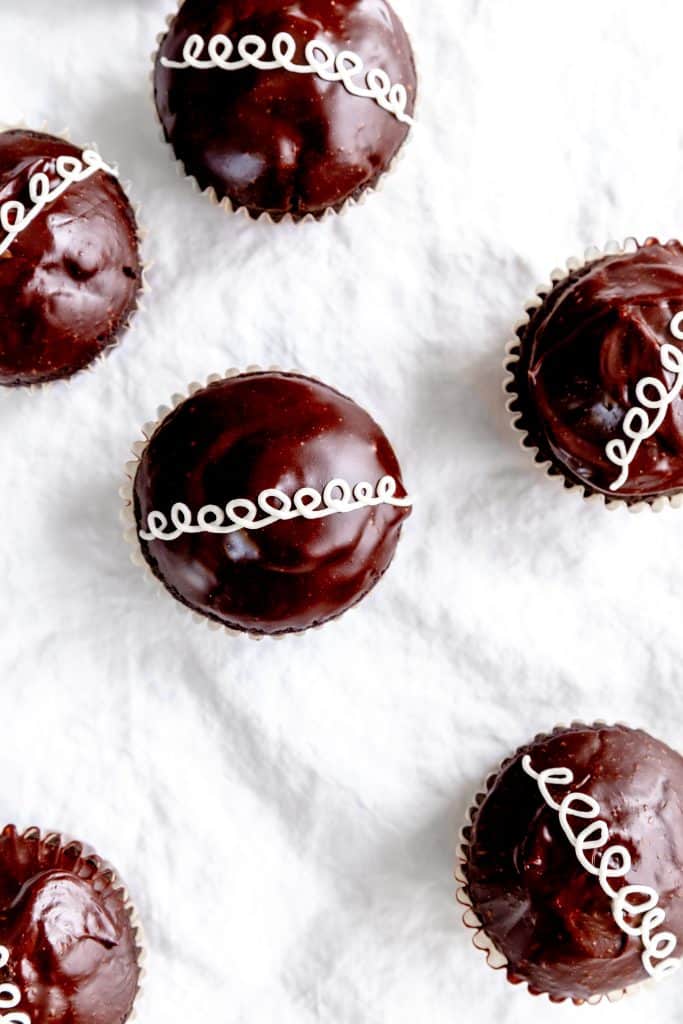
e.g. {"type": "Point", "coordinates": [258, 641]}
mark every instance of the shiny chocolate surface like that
{"type": "Point", "coordinates": [237, 438]}
{"type": "Point", "coordinates": [276, 141]}
{"type": "Point", "coordinates": [64, 923]}
{"type": "Point", "coordinates": [70, 279]}
{"type": "Point", "coordinates": [543, 910]}
{"type": "Point", "coordinates": [597, 334]}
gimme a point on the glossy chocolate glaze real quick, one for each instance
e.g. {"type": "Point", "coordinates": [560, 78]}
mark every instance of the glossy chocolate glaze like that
{"type": "Point", "coordinates": [598, 333]}
{"type": "Point", "coordinates": [277, 141]}
{"type": "Point", "coordinates": [236, 438]}
{"type": "Point", "coordinates": [543, 910]}
{"type": "Point", "coordinates": [72, 946]}
{"type": "Point", "coordinates": [69, 282]}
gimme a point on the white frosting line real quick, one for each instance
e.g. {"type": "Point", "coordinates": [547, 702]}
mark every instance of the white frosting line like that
{"type": "Point", "coordinates": [630, 903]}
{"type": "Point", "coordinates": [637, 424]}
{"type": "Point", "coordinates": [320, 59]}
{"type": "Point", "coordinates": [241, 513]}
{"type": "Point", "coordinates": [10, 997]}
{"type": "Point", "coordinates": [15, 218]}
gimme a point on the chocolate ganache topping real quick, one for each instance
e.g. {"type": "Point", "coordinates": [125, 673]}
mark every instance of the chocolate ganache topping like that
{"type": "Point", "coordinates": [276, 140]}
{"type": "Point", "coordinates": [551, 917]}
{"type": "Point", "coordinates": [69, 278]}
{"type": "Point", "coordinates": [67, 944]}
{"type": "Point", "coordinates": [597, 335]}
{"type": "Point", "coordinates": [284, 561]}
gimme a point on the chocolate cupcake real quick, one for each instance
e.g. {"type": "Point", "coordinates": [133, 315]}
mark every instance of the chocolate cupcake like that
{"type": "Point", "coordinates": [69, 946]}
{"type": "Point", "coordinates": [282, 107]}
{"type": "Point", "coordinates": [596, 373]}
{"type": "Point", "coordinates": [572, 865]}
{"type": "Point", "coordinates": [267, 502]}
{"type": "Point", "coordinates": [70, 268]}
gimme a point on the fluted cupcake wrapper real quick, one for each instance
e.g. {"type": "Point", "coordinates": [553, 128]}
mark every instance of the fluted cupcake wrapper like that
{"type": "Point", "coordinates": [141, 946]}
{"type": "Point", "coordinates": [105, 871]}
{"type": "Point", "coordinates": [141, 234]}
{"type": "Point", "coordinates": [480, 939]}
{"type": "Point", "coordinates": [518, 421]}
{"type": "Point", "coordinates": [244, 212]}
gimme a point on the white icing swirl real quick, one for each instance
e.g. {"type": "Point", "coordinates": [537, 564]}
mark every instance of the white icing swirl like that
{"type": "Point", "coordinates": [320, 60]}
{"type": "Point", "coordinates": [653, 395]}
{"type": "Point", "coordinates": [276, 506]}
{"type": "Point", "coordinates": [10, 997]}
{"type": "Point", "coordinates": [635, 908]}
{"type": "Point", "coordinates": [15, 218]}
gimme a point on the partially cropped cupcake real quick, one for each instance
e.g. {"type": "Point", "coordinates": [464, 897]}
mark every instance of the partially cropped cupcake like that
{"type": "Point", "coordinates": [69, 945]}
{"type": "Point", "coordinates": [285, 108]}
{"type": "Point", "coordinates": [572, 863]}
{"type": "Point", "coordinates": [596, 374]}
{"type": "Point", "coordinates": [267, 502]}
{"type": "Point", "coordinates": [70, 269]}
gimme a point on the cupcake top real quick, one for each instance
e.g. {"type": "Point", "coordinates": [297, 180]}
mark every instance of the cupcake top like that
{"type": "Point", "coordinates": [600, 371]}
{"type": "Point", "coordinates": [68, 951]}
{"type": "Point", "coordinates": [286, 107]}
{"type": "Point", "coordinates": [574, 861]}
{"type": "Point", "coordinates": [70, 270]}
{"type": "Point", "coordinates": [269, 502]}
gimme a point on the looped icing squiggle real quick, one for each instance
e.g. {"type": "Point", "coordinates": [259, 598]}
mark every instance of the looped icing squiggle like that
{"type": "Point", "coordinates": [630, 903]}
{"type": "Point", "coordinates": [653, 395]}
{"type": "Point", "coordinates": [10, 997]}
{"type": "Point", "coordinates": [320, 59]}
{"type": "Point", "coordinates": [15, 218]}
{"type": "Point", "coordinates": [276, 506]}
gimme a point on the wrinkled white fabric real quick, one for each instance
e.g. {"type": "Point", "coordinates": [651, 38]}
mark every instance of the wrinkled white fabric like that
{"type": "Point", "coordinates": [286, 813]}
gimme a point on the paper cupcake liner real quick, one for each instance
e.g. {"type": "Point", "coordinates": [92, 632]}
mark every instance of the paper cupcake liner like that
{"type": "Point", "coordinates": [130, 533]}
{"type": "Point", "coordinates": [244, 212]}
{"type": "Point", "coordinates": [518, 422]}
{"type": "Point", "coordinates": [104, 871]}
{"type": "Point", "coordinates": [141, 233]}
{"type": "Point", "coordinates": [480, 939]}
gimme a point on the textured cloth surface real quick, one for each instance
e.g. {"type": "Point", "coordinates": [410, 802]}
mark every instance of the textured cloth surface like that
{"type": "Point", "coordinates": [286, 813]}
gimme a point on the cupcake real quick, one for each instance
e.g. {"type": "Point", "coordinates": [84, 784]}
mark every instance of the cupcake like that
{"type": "Point", "coordinates": [267, 502]}
{"type": "Point", "coordinates": [572, 866]}
{"type": "Point", "coordinates": [70, 268]}
{"type": "Point", "coordinates": [69, 949]}
{"type": "Point", "coordinates": [283, 107]}
{"type": "Point", "coordinates": [596, 374]}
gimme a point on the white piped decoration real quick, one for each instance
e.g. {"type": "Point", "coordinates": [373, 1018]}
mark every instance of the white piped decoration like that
{"type": "Point", "coordinates": [15, 218]}
{"type": "Point", "coordinates": [653, 395]}
{"type": "Point", "coordinates": [321, 60]}
{"type": "Point", "coordinates": [630, 903]}
{"type": "Point", "coordinates": [240, 513]}
{"type": "Point", "coordinates": [10, 997]}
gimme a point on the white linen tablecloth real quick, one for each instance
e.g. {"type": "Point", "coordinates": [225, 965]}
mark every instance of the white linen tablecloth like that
{"type": "Point", "coordinates": [286, 813]}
